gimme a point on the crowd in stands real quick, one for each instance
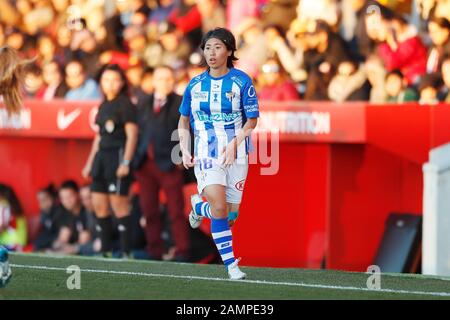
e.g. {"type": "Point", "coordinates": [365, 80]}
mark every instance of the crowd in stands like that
{"type": "Point", "coordinates": [337, 50]}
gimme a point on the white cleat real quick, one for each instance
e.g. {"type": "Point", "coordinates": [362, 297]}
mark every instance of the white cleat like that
{"type": "Point", "coordinates": [194, 219]}
{"type": "Point", "coordinates": [234, 272]}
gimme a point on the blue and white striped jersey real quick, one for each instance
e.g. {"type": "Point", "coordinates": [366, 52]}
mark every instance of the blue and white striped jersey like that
{"type": "Point", "coordinates": [218, 108]}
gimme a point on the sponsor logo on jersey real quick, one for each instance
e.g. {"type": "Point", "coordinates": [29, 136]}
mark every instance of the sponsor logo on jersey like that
{"type": "Point", "coordinates": [227, 117]}
{"type": "Point", "coordinates": [231, 95]}
{"type": "Point", "coordinates": [201, 96]}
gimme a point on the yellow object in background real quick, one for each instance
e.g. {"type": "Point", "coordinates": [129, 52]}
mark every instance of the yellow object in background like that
{"type": "Point", "coordinates": [399, 6]}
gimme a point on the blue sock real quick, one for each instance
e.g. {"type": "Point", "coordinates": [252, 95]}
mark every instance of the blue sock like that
{"type": "Point", "coordinates": [221, 234]}
{"type": "Point", "coordinates": [203, 209]}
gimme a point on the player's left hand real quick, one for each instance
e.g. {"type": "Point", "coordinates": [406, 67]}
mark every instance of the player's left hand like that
{"type": "Point", "coordinates": [122, 171]}
{"type": "Point", "coordinates": [229, 153]}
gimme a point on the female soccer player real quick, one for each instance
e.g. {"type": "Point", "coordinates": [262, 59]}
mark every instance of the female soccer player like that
{"type": "Point", "coordinates": [11, 67]}
{"type": "Point", "coordinates": [109, 160]}
{"type": "Point", "coordinates": [222, 108]}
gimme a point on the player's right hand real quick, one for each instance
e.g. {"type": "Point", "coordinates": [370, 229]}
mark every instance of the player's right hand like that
{"type": "Point", "coordinates": [188, 160]}
{"type": "Point", "coordinates": [86, 171]}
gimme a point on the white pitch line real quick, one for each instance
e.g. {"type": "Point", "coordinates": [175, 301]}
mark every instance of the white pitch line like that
{"type": "Point", "coordinates": [294, 284]}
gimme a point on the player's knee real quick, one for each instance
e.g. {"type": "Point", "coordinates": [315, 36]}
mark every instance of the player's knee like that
{"type": "Point", "coordinates": [219, 211]}
{"type": "Point", "coordinates": [101, 209]}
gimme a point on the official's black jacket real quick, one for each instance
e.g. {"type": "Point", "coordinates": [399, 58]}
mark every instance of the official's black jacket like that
{"type": "Point", "coordinates": [157, 129]}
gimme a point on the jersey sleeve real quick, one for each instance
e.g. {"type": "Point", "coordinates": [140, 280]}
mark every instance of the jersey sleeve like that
{"type": "Point", "coordinates": [185, 106]}
{"type": "Point", "coordinates": [250, 100]}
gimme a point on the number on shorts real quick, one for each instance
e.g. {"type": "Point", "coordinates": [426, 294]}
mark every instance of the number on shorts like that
{"type": "Point", "coordinates": [207, 164]}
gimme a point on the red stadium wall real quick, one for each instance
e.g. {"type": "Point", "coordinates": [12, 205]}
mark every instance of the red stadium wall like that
{"type": "Point", "coordinates": [328, 202]}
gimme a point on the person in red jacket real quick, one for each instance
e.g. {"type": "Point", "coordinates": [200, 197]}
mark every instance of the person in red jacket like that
{"type": "Point", "coordinates": [187, 18]}
{"type": "Point", "coordinates": [274, 84]}
{"type": "Point", "coordinates": [401, 48]}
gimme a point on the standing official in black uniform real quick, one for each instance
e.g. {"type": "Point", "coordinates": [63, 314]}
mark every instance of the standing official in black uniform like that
{"type": "Point", "coordinates": [109, 160]}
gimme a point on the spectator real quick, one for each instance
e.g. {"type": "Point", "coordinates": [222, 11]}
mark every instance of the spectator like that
{"type": "Point", "coordinates": [80, 86]}
{"type": "Point", "coordinates": [350, 83]}
{"type": "Point", "coordinates": [63, 39]}
{"type": "Point", "coordinates": [51, 217]}
{"type": "Point", "coordinates": [136, 40]}
{"type": "Point", "coordinates": [74, 231]}
{"type": "Point", "coordinates": [361, 45]}
{"type": "Point", "coordinates": [238, 11]}
{"type": "Point", "coordinates": [94, 246]}
{"type": "Point", "coordinates": [62, 15]}
{"type": "Point", "coordinates": [429, 88]}
{"type": "Point", "coordinates": [46, 48]}
{"type": "Point", "coordinates": [161, 13]}
{"type": "Point", "coordinates": [426, 8]}
{"type": "Point", "coordinates": [397, 88]}
{"type": "Point", "coordinates": [139, 18]}
{"type": "Point", "coordinates": [212, 14]}
{"type": "Point", "coordinates": [56, 86]}
{"type": "Point", "coordinates": [13, 226]}
{"type": "Point", "coordinates": [442, 9]}
{"type": "Point", "coordinates": [124, 12]}
{"type": "Point", "coordinates": [292, 60]}
{"type": "Point", "coordinates": [38, 18]}
{"type": "Point", "coordinates": [10, 15]}
{"type": "Point", "coordinates": [110, 35]}
{"type": "Point", "coordinates": [34, 82]}
{"type": "Point", "coordinates": [147, 87]}
{"type": "Point", "coordinates": [376, 74]}
{"type": "Point", "coordinates": [253, 50]}
{"type": "Point", "coordinates": [273, 83]}
{"type": "Point", "coordinates": [158, 118]}
{"type": "Point", "coordinates": [324, 10]}
{"type": "Point", "coordinates": [84, 47]}
{"type": "Point", "coordinates": [186, 17]}
{"type": "Point", "coordinates": [401, 47]}
{"type": "Point", "coordinates": [115, 57]}
{"type": "Point", "coordinates": [446, 77]}
{"type": "Point", "coordinates": [15, 39]}
{"type": "Point", "coordinates": [134, 76]}
{"type": "Point", "coordinates": [279, 12]}
{"type": "Point", "coordinates": [172, 49]}
{"type": "Point", "coordinates": [439, 30]}
{"type": "Point", "coordinates": [95, 20]}
{"type": "Point", "coordinates": [326, 51]}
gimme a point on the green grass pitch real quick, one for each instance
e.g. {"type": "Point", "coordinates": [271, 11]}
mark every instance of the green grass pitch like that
{"type": "Point", "coordinates": [45, 277]}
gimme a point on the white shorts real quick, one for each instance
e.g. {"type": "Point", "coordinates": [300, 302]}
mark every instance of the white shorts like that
{"type": "Point", "coordinates": [209, 171]}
